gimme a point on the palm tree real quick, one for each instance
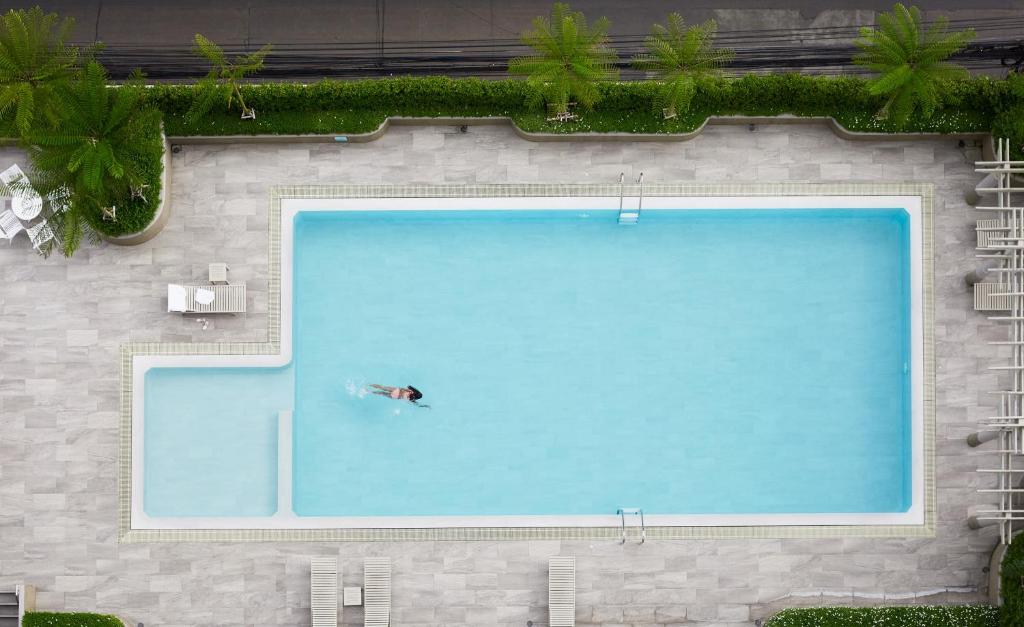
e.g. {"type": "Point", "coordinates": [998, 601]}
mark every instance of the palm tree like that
{"type": "Point", "coordinates": [911, 61]}
{"type": "Point", "coordinates": [34, 57]}
{"type": "Point", "coordinates": [679, 57]}
{"type": "Point", "coordinates": [571, 58]}
{"type": "Point", "coordinates": [96, 152]}
{"type": "Point", "coordinates": [223, 81]}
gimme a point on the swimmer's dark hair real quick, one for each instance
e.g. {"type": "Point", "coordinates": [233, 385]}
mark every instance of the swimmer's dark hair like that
{"type": "Point", "coordinates": [416, 394]}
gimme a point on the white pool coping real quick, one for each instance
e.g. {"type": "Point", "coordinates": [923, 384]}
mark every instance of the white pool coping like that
{"type": "Point", "coordinates": [286, 202]}
{"type": "Point", "coordinates": [285, 519]}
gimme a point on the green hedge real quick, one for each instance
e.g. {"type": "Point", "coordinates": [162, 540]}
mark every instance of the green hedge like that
{"type": "Point", "coordinates": [345, 107]}
{"type": "Point", "coordinates": [902, 616]}
{"type": "Point", "coordinates": [1011, 613]}
{"type": "Point", "coordinates": [70, 619]}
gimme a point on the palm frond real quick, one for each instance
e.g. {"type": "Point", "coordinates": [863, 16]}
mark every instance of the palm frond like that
{"type": "Point", "coordinates": [209, 50]}
{"type": "Point", "coordinates": [911, 62]}
{"type": "Point", "coordinates": [34, 57]}
{"type": "Point", "coordinates": [678, 56]}
{"type": "Point", "coordinates": [570, 57]}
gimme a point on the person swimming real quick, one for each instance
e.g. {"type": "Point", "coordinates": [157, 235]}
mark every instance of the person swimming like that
{"type": "Point", "coordinates": [408, 393]}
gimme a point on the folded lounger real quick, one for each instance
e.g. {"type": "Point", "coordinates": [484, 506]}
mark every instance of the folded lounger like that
{"type": "Point", "coordinates": [562, 591]}
{"type": "Point", "coordinates": [377, 591]}
{"type": "Point", "coordinates": [206, 298]}
{"type": "Point", "coordinates": [323, 591]}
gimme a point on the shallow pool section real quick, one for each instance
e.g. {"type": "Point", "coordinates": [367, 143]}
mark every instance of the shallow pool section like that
{"type": "Point", "coordinates": [699, 362]}
{"type": "Point", "coordinates": [211, 440]}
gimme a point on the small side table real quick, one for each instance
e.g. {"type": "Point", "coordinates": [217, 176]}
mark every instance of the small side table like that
{"type": "Point", "coordinates": [219, 273]}
{"type": "Point", "coordinates": [352, 596]}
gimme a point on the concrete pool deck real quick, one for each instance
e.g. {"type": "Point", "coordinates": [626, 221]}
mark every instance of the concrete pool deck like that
{"type": "Point", "coordinates": [62, 323]}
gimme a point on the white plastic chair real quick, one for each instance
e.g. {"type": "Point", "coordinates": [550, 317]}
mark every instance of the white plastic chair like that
{"type": "Point", "coordinates": [11, 175]}
{"type": "Point", "coordinates": [59, 200]}
{"type": "Point", "coordinates": [10, 225]}
{"type": "Point", "coordinates": [39, 233]}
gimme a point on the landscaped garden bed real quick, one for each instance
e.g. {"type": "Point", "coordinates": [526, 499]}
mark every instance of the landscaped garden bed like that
{"type": "Point", "coordinates": [70, 619]}
{"type": "Point", "coordinates": [897, 616]}
{"type": "Point", "coordinates": [350, 107]}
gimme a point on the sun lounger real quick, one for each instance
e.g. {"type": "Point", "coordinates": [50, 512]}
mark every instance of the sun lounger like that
{"type": "Point", "coordinates": [562, 591]}
{"type": "Point", "coordinates": [377, 591]}
{"type": "Point", "coordinates": [206, 298]}
{"type": "Point", "coordinates": [323, 591]}
{"type": "Point", "coordinates": [987, 297]}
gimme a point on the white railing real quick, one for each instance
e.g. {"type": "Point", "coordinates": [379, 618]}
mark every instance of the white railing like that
{"type": "Point", "coordinates": [1003, 243]}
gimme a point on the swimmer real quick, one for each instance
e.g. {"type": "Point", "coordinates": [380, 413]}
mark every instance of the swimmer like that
{"type": "Point", "coordinates": [408, 393]}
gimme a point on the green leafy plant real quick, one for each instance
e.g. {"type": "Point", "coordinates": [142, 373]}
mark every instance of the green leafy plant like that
{"type": "Point", "coordinates": [101, 152]}
{"type": "Point", "coordinates": [70, 619]}
{"type": "Point", "coordinates": [679, 57]}
{"type": "Point", "coordinates": [911, 61]}
{"type": "Point", "coordinates": [34, 59]}
{"type": "Point", "coordinates": [223, 83]}
{"type": "Point", "coordinates": [571, 58]}
{"type": "Point", "coordinates": [1011, 575]}
{"type": "Point", "coordinates": [898, 616]}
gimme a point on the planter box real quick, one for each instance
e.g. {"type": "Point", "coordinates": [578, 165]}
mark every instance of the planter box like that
{"type": "Point", "coordinates": [163, 210]}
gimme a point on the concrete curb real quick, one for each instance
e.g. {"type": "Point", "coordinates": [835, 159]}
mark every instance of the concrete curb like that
{"type": "Point", "coordinates": [377, 133]}
{"type": "Point", "coordinates": [163, 212]}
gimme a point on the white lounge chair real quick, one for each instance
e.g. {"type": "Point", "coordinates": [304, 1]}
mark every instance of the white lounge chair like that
{"type": "Point", "coordinates": [988, 297]}
{"type": "Point", "coordinates": [206, 298]}
{"type": "Point", "coordinates": [39, 233]}
{"type": "Point", "coordinates": [323, 591]}
{"type": "Point", "coordinates": [377, 592]}
{"type": "Point", "coordinates": [562, 591]}
{"type": "Point", "coordinates": [10, 225]}
{"type": "Point", "coordinates": [988, 230]}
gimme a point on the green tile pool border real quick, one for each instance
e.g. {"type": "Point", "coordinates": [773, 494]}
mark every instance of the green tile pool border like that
{"type": "Point", "coordinates": [272, 346]}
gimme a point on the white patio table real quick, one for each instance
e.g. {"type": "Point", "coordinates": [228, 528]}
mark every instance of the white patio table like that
{"type": "Point", "coordinates": [27, 205]}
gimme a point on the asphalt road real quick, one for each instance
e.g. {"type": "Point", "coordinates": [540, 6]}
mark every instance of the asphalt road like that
{"type": "Point", "coordinates": [378, 37]}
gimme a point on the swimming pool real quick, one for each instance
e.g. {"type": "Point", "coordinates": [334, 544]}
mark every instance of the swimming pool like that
{"type": "Point", "coordinates": [726, 361]}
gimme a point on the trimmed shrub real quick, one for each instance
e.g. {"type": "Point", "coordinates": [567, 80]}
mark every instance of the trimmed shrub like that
{"type": "Point", "coordinates": [898, 616]}
{"type": "Point", "coordinates": [1011, 613]}
{"type": "Point", "coordinates": [329, 107]}
{"type": "Point", "coordinates": [70, 619]}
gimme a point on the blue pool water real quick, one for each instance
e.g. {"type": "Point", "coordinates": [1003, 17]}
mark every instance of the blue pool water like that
{"type": "Point", "coordinates": [699, 362]}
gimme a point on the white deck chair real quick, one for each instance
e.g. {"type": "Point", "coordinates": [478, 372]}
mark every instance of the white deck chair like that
{"type": "Point", "coordinates": [10, 225]}
{"type": "Point", "coordinates": [989, 229]}
{"type": "Point", "coordinates": [39, 233]}
{"type": "Point", "coordinates": [562, 591]}
{"type": "Point", "coordinates": [323, 591]}
{"type": "Point", "coordinates": [197, 298]}
{"type": "Point", "coordinates": [377, 591]}
{"type": "Point", "coordinates": [987, 297]}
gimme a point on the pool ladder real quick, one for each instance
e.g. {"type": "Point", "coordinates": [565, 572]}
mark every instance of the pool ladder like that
{"type": "Point", "coordinates": [632, 511]}
{"type": "Point", "coordinates": [630, 216]}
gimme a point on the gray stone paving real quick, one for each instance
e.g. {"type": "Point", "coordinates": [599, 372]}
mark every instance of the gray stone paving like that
{"type": "Point", "coordinates": [62, 322]}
